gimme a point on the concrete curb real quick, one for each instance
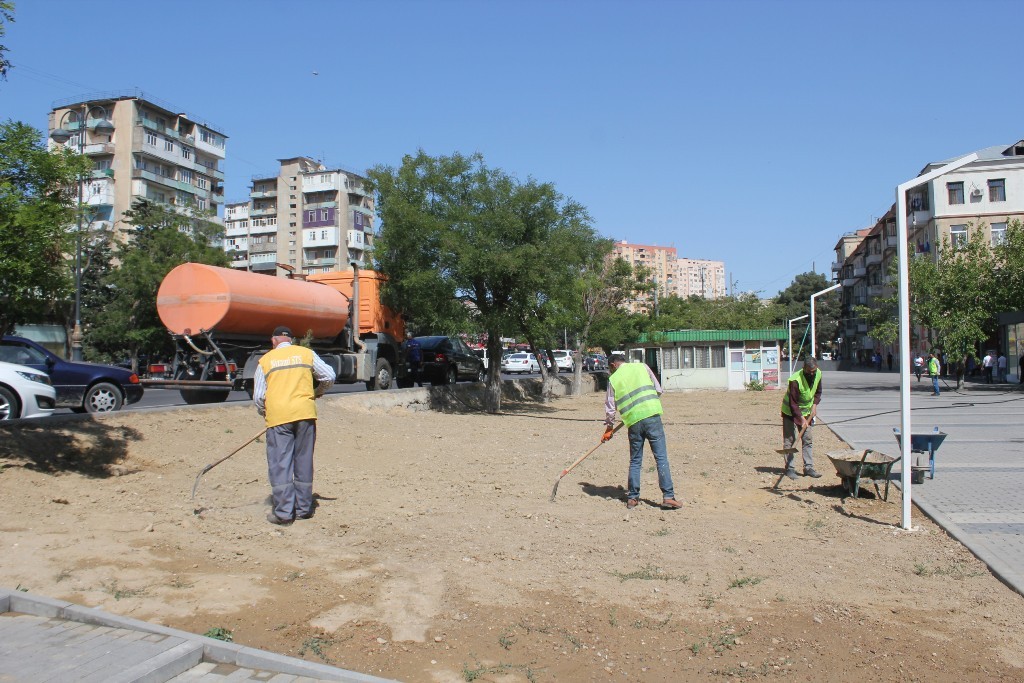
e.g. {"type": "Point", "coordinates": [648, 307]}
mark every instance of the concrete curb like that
{"type": "Point", "coordinates": [196, 648]}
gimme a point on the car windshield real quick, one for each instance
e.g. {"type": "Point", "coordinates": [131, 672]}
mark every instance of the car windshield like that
{"type": "Point", "coordinates": [518, 356]}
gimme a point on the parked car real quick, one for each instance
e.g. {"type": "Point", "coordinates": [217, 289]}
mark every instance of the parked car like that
{"type": "Point", "coordinates": [563, 360]}
{"type": "Point", "coordinates": [520, 362]}
{"type": "Point", "coordinates": [446, 360]}
{"type": "Point", "coordinates": [83, 387]}
{"type": "Point", "coordinates": [24, 392]}
{"type": "Point", "coordinates": [595, 361]}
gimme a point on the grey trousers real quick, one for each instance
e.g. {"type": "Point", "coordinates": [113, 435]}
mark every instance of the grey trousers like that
{"type": "Point", "coordinates": [290, 467]}
{"type": "Point", "coordinates": [789, 432]}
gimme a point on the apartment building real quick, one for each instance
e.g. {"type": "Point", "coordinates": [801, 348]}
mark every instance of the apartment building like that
{"type": "Point", "coordinates": [660, 261]}
{"type": "Point", "coordinates": [306, 217]}
{"type": "Point", "coordinates": [985, 195]}
{"type": "Point", "coordinates": [700, 277]}
{"type": "Point", "coordinates": [141, 148]}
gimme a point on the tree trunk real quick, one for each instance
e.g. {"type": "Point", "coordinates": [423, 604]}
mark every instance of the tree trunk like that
{"type": "Point", "coordinates": [492, 392]}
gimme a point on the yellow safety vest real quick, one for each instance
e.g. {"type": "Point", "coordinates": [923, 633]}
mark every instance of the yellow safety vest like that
{"type": "Point", "coordinates": [289, 373]}
{"type": "Point", "coordinates": [806, 392]}
{"type": "Point", "coordinates": [635, 396]}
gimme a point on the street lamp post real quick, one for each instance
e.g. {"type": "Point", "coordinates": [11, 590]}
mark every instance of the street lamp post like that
{"type": "Point", "coordinates": [814, 349]}
{"type": "Point", "coordinates": [904, 297]}
{"type": "Point", "coordinates": [789, 325]}
{"type": "Point", "coordinates": [61, 135]}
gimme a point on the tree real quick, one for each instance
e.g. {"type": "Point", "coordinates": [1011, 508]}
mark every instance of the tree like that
{"type": "Point", "coordinates": [162, 238]}
{"type": "Point", "coordinates": [745, 311]}
{"type": "Point", "coordinates": [955, 297]}
{"type": "Point", "coordinates": [6, 15]}
{"type": "Point", "coordinates": [795, 301]}
{"type": "Point", "coordinates": [465, 245]}
{"type": "Point", "coordinates": [37, 205]}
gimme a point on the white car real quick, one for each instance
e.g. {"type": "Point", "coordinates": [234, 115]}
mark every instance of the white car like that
{"type": "Point", "coordinates": [563, 359]}
{"type": "Point", "coordinates": [520, 362]}
{"type": "Point", "coordinates": [25, 392]}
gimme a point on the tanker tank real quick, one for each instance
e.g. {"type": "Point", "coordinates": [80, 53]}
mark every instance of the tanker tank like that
{"type": "Point", "coordinates": [195, 297]}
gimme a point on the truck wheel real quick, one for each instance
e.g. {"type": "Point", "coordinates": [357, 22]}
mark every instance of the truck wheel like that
{"type": "Point", "coordinates": [381, 376]}
{"type": "Point", "coordinates": [8, 405]}
{"type": "Point", "coordinates": [102, 398]}
{"type": "Point", "coordinates": [195, 397]}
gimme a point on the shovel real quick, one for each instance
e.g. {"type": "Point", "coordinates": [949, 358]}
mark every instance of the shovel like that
{"type": "Point", "coordinates": [789, 451]}
{"type": "Point", "coordinates": [583, 457]}
{"type": "Point", "coordinates": [214, 464]}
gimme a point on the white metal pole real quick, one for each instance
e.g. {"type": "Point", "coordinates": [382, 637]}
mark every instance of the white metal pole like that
{"type": "Point", "coordinates": [814, 348]}
{"type": "Point", "coordinates": [789, 323]}
{"type": "Point", "coordinates": [904, 297]}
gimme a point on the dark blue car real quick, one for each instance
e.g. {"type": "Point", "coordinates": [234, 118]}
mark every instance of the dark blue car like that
{"type": "Point", "coordinates": [83, 387]}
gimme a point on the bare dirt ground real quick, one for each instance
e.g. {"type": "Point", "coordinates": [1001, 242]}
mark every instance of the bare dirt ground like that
{"type": "Point", "coordinates": [435, 554]}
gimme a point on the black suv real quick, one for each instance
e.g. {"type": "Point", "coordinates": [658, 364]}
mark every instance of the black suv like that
{"type": "Point", "coordinates": [83, 387]}
{"type": "Point", "coordinates": [446, 360]}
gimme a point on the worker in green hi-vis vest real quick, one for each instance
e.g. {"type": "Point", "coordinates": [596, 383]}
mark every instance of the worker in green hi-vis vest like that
{"type": "Point", "coordinates": [799, 406]}
{"type": "Point", "coordinates": [634, 392]}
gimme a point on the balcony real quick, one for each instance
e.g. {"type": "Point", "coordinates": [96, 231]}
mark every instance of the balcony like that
{"type": "Point", "coordinates": [312, 183]}
{"type": "Point", "coordinates": [837, 266]}
{"type": "Point", "coordinates": [353, 187]}
{"type": "Point", "coordinates": [321, 205]}
{"type": "Point", "coordinates": [873, 259]}
{"type": "Point", "coordinates": [892, 241]}
{"type": "Point", "coordinates": [263, 195]}
{"type": "Point", "coordinates": [320, 262]}
{"type": "Point", "coordinates": [876, 290]}
{"type": "Point", "coordinates": [272, 211]}
{"type": "Point", "coordinates": [263, 248]}
{"type": "Point", "coordinates": [98, 148]}
{"type": "Point", "coordinates": [208, 148]}
{"type": "Point", "coordinates": [859, 271]}
{"type": "Point", "coordinates": [103, 197]}
{"type": "Point", "coordinates": [101, 173]}
{"type": "Point", "coordinates": [850, 281]}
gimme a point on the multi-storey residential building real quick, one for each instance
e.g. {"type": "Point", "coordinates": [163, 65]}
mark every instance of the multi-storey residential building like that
{"type": "Point", "coordinates": [700, 277]}
{"type": "Point", "coordinates": [660, 261]}
{"type": "Point", "coordinates": [306, 217]}
{"type": "Point", "coordinates": [141, 148]}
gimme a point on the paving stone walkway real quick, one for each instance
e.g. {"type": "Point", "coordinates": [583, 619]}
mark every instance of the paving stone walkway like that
{"type": "Point", "coordinates": [978, 491]}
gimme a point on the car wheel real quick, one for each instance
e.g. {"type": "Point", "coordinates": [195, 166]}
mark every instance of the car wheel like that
{"type": "Point", "coordinates": [452, 377]}
{"type": "Point", "coordinates": [8, 405]}
{"type": "Point", "coordinates": [381, 376]}
{"type": "Point", "coordinates": [102, 398]}
{"type": "Point", "coordinates": [481, 376]}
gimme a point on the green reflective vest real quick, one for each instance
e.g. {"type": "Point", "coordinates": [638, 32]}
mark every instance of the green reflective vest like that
{"type": "Point", "coordinates": [806, 392]}
{"type": "Point", "coordinates": [933, 367]}
{"type": "Point", "coordinates": [635, 396]}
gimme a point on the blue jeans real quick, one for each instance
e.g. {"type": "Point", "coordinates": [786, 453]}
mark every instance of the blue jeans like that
{"type": "Point", "coordinates": [653, 431]}
{"type": "Point", "coordinates": [935, 384]}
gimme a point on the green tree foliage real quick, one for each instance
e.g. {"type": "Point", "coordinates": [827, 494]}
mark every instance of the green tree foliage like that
{"type": "Point", "coordinates": [37, 205]}
{"type": "Point", "coordinates": [465, 245]}
{"type": "Point", "coordinates": [742, 312]}
{"type": "Point", "coordinates": [955, 297]}
{"type": "Point", "coordinates": [6, 16]}
{"type": "Point", "coordinates": [160, 240]}
{"type": "Point", "coordinates": [795, 301]}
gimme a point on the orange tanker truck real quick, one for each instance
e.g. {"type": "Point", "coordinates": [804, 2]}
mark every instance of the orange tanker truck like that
{"type": "Point", "coordinates": [221, 321]}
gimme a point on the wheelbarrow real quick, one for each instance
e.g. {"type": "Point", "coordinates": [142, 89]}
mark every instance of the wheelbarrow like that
{"type": "Point", "coordinates": [854, 466]}
{"type": "Point", "coordinates": [922, 442]}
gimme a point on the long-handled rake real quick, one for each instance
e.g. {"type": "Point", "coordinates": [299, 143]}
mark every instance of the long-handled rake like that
{"type": "Point", "coordinates": [583, 457]}
{"type": "Point", "coordinates": [214, 464]}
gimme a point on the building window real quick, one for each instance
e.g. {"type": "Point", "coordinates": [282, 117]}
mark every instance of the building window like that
{"type": "Point", "coordinates": [201, 203]}
{"type": "Point", "coordinates": [150, 139]}
{"type": "Point", "coordinates": [958, 234]}
{"type": "Point", "coordinates": [186, 152]}
{"type": "Point", "coordinates": [185, 175]}
{"type": "Point", "coordinates": [310, 216]}
{"type": "Point", "coordinates": [168, 145]}
{"type": "Point", "coordinates": [323, 234]}
{"type": "Point", "coordinates": [956, 192]}
{"type": "Point", "coordinates": [201, 182]}
{"type": "Point", "coordinates": [997, 190]}
{"type": "Point", "coordinates": [998, 234]}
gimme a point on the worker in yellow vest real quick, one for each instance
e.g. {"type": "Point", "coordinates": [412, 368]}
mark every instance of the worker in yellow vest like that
{"type": "Point", "coordinates": [283, 392]}
{"type": "Point", "coordinates": [799, 407]}
{"type": "Point", "coordinates": [634, 392]}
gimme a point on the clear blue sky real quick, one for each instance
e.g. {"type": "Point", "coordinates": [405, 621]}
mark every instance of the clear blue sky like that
{"type": "Point", "coordinates": [756, 133]}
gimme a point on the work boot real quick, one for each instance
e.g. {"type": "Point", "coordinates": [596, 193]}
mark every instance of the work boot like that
{"type": "Point", "coordinates": [671, 504]}
{"type": "Point", "coordinates": [813, 473]}
{"type": "Point", "coordinates": [791, 473]}
{"type": "Point", "coordinates": [274, 519]}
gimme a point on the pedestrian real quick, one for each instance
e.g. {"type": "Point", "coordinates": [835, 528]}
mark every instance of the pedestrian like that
{"type": "Point", "coordinates": [634, 392]}
{"type": "Point", "coordinates": [799, 408]}
{"type": "Point", "coordinates": [414, 356]}
{"type": "Point", "coordinates": [987, 363]}
{"type": "Point", "coordinates": [888, 360]}
{"type": "Point", "coordinates": [284, 392]}
{"type": "Point", "coordinates": [1001, 367]}
{"type": "Point", "coordinates": [972, 365]}
{"type": "Point", "coordinates": [918, 365]}
{"type": "Point", "coordinates": [933, 372]}
{"type": "Point", "coordinates": [877, 358]}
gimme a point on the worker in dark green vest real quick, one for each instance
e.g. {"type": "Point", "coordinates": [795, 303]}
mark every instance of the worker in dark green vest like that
{"type": "Point", "coordinates": [634, 392]}
{"type": "Point", "coordinates": [799, 406]}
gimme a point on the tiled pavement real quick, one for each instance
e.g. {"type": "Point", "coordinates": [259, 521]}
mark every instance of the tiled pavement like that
{"type": "Point", "coordinates": [978, 491]}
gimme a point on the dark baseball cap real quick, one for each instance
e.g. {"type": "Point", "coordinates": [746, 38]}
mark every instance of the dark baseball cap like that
{"type": "Point", "coordinates": [282, 331]}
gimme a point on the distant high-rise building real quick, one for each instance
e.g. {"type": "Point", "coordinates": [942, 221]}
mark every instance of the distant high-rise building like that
{"type": "Point", "coordinates": [700, 277]}
{"type": "Point", "coordinates": [306, 217]}
{"type": "Point", "coordinates": [659, 261]}
{"type": "Point", "coordinates": [140, 148]}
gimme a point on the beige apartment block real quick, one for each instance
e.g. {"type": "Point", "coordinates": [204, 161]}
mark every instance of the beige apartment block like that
{"type": "Point", "coordinates": [305, 218]}
{"type": "Point", "coordinates": [700, 277]}
{"type": "Point", "coordinates": [660, 261]}
{"type": "Point", "coordinates": [141, 148]}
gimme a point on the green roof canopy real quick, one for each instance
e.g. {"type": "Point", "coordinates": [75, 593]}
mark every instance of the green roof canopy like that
{"type": "Point", "coordinates": [769, 334]}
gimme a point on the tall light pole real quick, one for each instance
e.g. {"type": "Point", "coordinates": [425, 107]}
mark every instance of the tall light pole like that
{"type": "Point", "coordinates": [904, 296]}
{"type": "Point", "coordinates": [61, 135]}
{"type": "Point", "coordinates": [789, 325]}
{"type": "Point", "coordinates": [814, 348]}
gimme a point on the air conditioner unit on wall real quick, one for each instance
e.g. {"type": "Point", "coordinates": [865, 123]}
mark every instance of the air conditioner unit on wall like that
{"type": "Point", "coordinates": [975, 192]}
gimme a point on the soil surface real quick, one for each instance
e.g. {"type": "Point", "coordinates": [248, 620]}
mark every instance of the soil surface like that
{"type": "Point", "coordinates": [436, 555]}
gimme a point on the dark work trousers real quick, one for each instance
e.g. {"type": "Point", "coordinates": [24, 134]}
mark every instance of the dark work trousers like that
{"type": "Point", "coordinates": [290, 467]}
{"type": "Point", "coordinates": [789, 433]}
